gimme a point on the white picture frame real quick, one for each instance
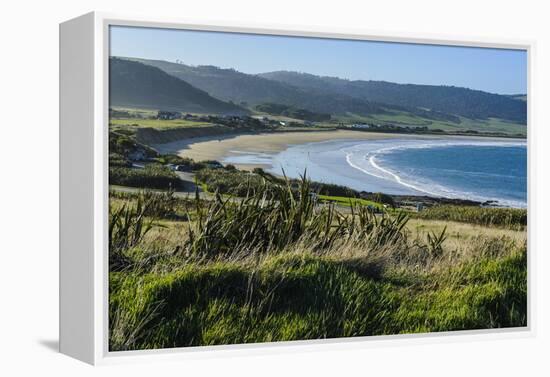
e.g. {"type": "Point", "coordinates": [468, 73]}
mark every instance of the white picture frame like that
{"type": "Point", "coordinates": [84, 52]}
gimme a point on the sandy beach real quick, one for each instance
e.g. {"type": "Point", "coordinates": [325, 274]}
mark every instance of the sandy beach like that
{"type": "Point", "coordinates": [343, 162]}
{"type": "Point", "coordinates": [219, 147]}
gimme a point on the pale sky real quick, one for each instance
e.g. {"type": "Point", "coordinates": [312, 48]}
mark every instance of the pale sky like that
{"type": "Point", "coordinates": [492, 70]}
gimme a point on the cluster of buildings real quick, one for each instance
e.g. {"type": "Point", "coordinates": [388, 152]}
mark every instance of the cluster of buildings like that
{"type": "Point", "coordinates": [171, 115]}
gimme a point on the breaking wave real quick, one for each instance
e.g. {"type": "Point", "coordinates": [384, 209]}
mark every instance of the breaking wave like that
{"type": "Point", "coordinates": [369, 159]}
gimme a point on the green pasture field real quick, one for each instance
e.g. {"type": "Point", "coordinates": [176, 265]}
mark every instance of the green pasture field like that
{"type": "Point", "coordinates": [407, 119]}
{"type": "Point", "coordinates": [348, 202]}
{"type": "Point", "coordinates": [157, 123]}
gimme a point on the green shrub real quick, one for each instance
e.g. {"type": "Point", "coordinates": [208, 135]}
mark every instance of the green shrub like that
{"type": "Point", "coordinates": [292, 112]}
{"type": "Point", "coordinates": [152, 176]}
{"type": "Point", "coordinates": [118, 160]}
{"type": "Point", "coordinates": [123, 144]}
{"type": "Point", "coordinates": [379, 197]}
{"type": "Point", "coordinates": [511, 218]}
{"type": "Point", "coordinates": [189, 163]}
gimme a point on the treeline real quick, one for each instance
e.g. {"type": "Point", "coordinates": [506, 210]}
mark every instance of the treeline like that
{"type": "Point", "coordinates": [292, 112]}
{"type": "Point", "coordinates": [473, 104]}
{"type": "Point", "coordinates": [512, 218]}
{"type": "Point", "coordinates": [123, 143]}
{"type": "Point", "coordinates": [151, 176]}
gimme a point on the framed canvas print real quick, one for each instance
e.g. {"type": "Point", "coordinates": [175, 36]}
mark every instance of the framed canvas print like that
{"type": "Point", "coordinates": [233, 188]}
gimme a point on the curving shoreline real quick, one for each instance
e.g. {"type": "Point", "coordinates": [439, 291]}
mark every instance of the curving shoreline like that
{"type": "Point", "coordinates": [248, 151]}
{"type": "Point", "coordinates": [220, 146]}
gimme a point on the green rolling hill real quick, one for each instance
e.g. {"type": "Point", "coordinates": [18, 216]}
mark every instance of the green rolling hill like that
{"type": "Point", "coordinates": [138, 85]}
{"type": "Point", "coordinates": [221, 90]}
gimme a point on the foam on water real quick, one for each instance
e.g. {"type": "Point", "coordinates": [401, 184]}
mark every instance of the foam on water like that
{"type": "Point", "coordinates": [368, 158]}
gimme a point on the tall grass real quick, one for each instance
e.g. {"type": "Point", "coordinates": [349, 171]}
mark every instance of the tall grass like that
{"type": "Point", "coordinates": [277, 265]}
{"type": "Point", "coordinates": [238, 183]}
{"type": "Point", "coordinates": [304, 296]}
{"type": "Point", "coordinates": [160, 204]}
{"type": "Point", "coordinates": [510, 218]}
{"type": "Point", "coordinates": [127, 227]}
{"type": "Point", "coordinates": [275, 215]}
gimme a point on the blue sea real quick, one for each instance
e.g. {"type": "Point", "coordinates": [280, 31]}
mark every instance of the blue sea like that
{"type": "Point", "coordinates": [464, 168]}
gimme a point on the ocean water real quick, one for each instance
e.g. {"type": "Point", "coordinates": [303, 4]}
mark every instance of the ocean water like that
{"type": "Point", "coordinates": [455, 168]}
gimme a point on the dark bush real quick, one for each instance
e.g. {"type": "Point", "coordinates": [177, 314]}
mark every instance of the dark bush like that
{"type": "Point", "coordinates": [189, 163]}
{"type": "Point", "coordinates": [152, 176]}
{"type": "Point", "coordinates": [125, 145]}
{"type": "Point", "coordinates": [379, 197]}
{"type": "Point", "coordinates": [118, 160]}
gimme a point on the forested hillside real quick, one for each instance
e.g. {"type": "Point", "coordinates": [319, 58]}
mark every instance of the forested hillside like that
{"type": "Point", "coordinates": [465, 102]}
{"type": "Point", "coordinates": [144, 86]}
{"type": "Point", "coordinates": [336, 96]}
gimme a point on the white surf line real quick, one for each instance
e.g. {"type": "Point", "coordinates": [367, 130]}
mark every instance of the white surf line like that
{"type": "Point", "coordinates": [445, 193]}
{"type": "Point", "coordinates": [250, 153]}
{"type": "Point", "coordinates": [448, 194]}
{"type": "Point", "coordinates": [426, 145]}
{"type": "Point", "coordinates": [395, 176]}
{"type": "Point", "coordinates": [398, 178]}
{"type": "Point", "coordinates": [350, 163]}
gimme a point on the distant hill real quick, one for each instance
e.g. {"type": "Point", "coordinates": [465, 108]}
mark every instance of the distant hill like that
{"type": "Point", "coordinates": [473, 104]}
{"type": "Point", "coordinates": [135, 84]}
{"type": "Point", "coordinates": [250, 90]}
{"type": "Point", "coordinates": [335, 96]}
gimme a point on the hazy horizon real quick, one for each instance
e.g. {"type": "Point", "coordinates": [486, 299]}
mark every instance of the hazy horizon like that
{"type": "Point", "coordinates": [498, 71]}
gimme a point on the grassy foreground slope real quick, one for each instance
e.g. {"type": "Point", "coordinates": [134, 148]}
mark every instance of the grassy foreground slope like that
{"type": "Point", "coordinates": [293, 297]}
{"type": "Point", "coordinates": [277, 266]}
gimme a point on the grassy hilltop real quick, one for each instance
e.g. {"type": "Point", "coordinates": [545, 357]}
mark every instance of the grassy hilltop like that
{"type": "Point", "coordinates": [277, 266]}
